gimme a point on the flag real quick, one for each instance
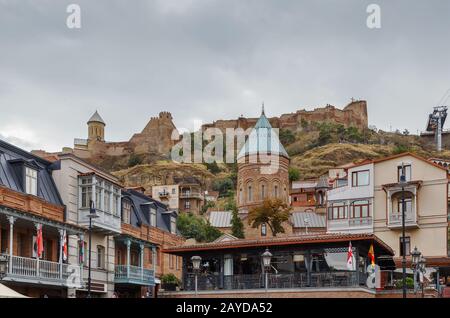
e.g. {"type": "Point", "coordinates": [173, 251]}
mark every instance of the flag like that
{"type": "Point", "coordinates": [39, 242]}
{"type": "Point", "coordinates": [64, 247]}
{"type": "Point", "coordinates": [372, 255]}
{"type": "Point", "coordinates": [350, 258]}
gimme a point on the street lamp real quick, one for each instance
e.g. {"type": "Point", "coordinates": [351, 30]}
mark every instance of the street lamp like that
{"type": "Point", "coordinates": [266, 258]}
{"type": "Point", "coordinates": [92, 215]}
{"type": "Point", "coordinates": [3, 266]}
{"type": "Point", "coordinates": [403, 182]}
{"type": "Point", "coordinates": [196, 260]}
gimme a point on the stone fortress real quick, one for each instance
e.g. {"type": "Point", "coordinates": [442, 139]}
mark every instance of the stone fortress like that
{"type": "Point", "coordinates": [354, 114]}
{"type": "Point", "coordinates": [155, 138]}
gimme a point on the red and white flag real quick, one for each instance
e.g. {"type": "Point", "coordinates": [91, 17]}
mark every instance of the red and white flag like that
{"type": "Point", "coordinates": [39, 241]}
{"type": "Point", "coordinates": [350, 258]}
{"type": "Point", "coordinates": [64, 247]}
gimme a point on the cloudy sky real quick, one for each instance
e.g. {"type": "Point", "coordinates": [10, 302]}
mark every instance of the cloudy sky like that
{"type": "Point", "coordinates": [211, 59]}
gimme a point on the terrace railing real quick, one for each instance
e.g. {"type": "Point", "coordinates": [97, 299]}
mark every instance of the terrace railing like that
{"type": "Point", "coordinates": [134, 275]}
{"type": "Point", "coordinates": [278, 281]}
{"type": "Point", "coordinates": [42, 271]}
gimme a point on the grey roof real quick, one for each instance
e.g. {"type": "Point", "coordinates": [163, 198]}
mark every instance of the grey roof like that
{"type": "Point", "coordinates": [96, 118]}
{"type": "Point", "coordinates": [314, 219]}
{"type": "Point", "coordinates": [220, 219]}
{"type": "Point", "coordinates": [262, 140]}
{"type": "Point", "coordinates": [12, 173]}
{"type": "Point", "coordinates": [141, 204]}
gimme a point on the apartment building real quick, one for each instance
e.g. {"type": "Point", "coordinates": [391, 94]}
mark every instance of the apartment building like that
{"type": "Point", "coordinates": [371, 202]}
{"type": "Point", "coordinates": [79, 184]}
{"type": "Point", "coordinates": [33, 228]}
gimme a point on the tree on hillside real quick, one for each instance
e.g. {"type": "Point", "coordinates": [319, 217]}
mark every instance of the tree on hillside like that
{"type": "Point", "coordinates": [224, 186]}
{"type": "Point", "coordinates": [273, 212]}
{"type": "Point", "coordinates": [286, 137]}
{"type": "Point", "coordinates": [237, 227]}
{"type": "Point", "coordinates": [192, 226]}
{"type": "Point", "coordinates": [294, 174]}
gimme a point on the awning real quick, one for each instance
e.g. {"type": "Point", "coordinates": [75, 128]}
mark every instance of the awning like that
{"type": "Point", "coordinates": [6, 292]}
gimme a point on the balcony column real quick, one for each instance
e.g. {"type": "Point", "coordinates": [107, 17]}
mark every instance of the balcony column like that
{"type": "Point", "coordinates": [128, 244]}
{"type": "Point", "coordinates": [37, 254]}
{"type": "Point", "coordinates": [61, 244]}
{"type": "Point", "coordinates": [141, 259]}
{"type": "Point", "coordinates": [11, 220]}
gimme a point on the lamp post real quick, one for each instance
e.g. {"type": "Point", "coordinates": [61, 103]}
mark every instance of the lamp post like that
{"type": "Point", "coordinates": [196, 260]}
{"type": "Point", "coordinates": [3, 265]}
{"type": "Point", "coordinates": [92, 215]}
{"type": "Point", "coordinates": [403, 183]}
{"type": "Point", "coordinates": [266, 258]}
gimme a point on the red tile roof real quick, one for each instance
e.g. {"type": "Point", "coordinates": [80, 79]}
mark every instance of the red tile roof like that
{"type": "Point", "coordinates": [281, 241]}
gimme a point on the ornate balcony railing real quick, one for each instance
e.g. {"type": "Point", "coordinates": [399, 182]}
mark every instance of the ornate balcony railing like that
{"type": "Point", "coordinates": [278, 281]}
{"type": "Point", "coordinates": [395, 219]}
{"type": "Point", "coordinates": [134, 275]}
{"type": "Point", "coordinates": [191, 195]}
{"type": "Point", "coordinates": [41, 272]}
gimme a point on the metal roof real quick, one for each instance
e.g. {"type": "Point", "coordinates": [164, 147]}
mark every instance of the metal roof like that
{"type": "Point", "coordinates": [12, 161]}
{"type": "Point", "coordinates": [262, 140]}
{"type": "Point", "coordinates": [96, 118]}
{"type": "Point", "coordinates": [220, 219]}
{"type": "Point", "coordinates": [310, 219]}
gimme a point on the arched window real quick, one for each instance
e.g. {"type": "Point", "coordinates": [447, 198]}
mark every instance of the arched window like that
{"type": "Point", "coordinates": [240, 195]}
{"type": "Point", "coordinates": [249, 193]}
{"type": "Point", "coordinates": [263, 191]}
{"type": "Point", "coordinates": [275, 191]}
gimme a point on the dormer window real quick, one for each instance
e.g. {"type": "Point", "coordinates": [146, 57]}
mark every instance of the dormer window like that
{"type": "Point", "coordinates": [173, 225]}
{"type": "Point", "coordinates": [152, 217]}
{"type": "Point", "coordinates": [126, 212]}
{"type": "Point", "coordinates": [30, 181]}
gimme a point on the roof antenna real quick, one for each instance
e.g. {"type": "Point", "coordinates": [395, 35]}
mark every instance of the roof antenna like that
{"type": "Point", "coordinates": [262, 113]}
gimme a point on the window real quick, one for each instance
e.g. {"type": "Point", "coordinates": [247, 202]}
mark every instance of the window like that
{"type": "Point", "coordinates": [173, 190]}
{"type": "Point", "coordinates": [116, 200]}
{"type": "Point", "coordinates": [360, 178]}
{"type": "Point", "coordinates": [263, 229]}
{"type": "Point", "coordinates": [187, 204]}
{"type": "Point", "coordinates": [407, 172]}
{"type": "Point", "coordinates": [240, 196]}
{"type": "Point", "coordinates": [86, 192]}
{"type": "Point", "coordinates": [30, 181]}
{"type": "Point", "coordinates": [107, 198]}
{"type": "Point", "coordinates": [359, 209]}
{"type": "Point", "coordinates": [98, 195]}
{"type": "Point", "coordinates": [100, 257]}
{"type": "Point", "coordinates": [250, 193]}
{"type": "Point", "coordinates": [150, 256]}
{"type": "Point", "coordinates": [126, 213]}
{"type": "Point", "coordinates": [173, 225]}
{"type": "Point", "coordinates": [408, 205]}
{"type": "Point", "coordinates": [152, 217]}
{"type": "Point", "coordinates": [407, 246]}
{"type": "Point", "coordinates": [263, 191]}
{"type": "Point", "coordinates": [337, 211]}
{"type": "Point", "coordinates": [171, 261]}
{"type": "Point", "coordinates": [275, 191]}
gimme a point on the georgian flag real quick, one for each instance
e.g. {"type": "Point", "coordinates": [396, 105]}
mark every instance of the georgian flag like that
{"type": "Point", "coordinates": [350, 258]}
{"type": "Point", "coordinates": [39, 242]}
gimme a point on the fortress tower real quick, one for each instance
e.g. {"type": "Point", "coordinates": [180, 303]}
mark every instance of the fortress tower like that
{"type": "Point", "coordinates": [96, 128]}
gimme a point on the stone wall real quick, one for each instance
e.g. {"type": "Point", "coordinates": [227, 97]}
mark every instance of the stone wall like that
{"type": "Point", "coordinates": [354, 114]}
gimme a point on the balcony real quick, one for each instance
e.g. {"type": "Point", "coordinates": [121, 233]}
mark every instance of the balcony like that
{"type": "Point", "coordinates": [395, 220]}
{"type": "Point", "coordinates": [337, 279]}
{"type": "Point", "coordinates": [191, 195]}
{"type": "Point", "coordinates": [104, 222]}
{"type": "Point", "coordinates": [30, 270]}
{"type": "Point", "coordinates": [351, 225]}
{"type": "Point", "coordinates": [129, 274]}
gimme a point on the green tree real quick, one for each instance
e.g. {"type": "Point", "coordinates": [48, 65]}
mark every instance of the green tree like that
{"type": "Point", "coordinates": [213, 167]}
{"type": "Point", "coordinates": [224, 186]}
{"type": "Point", "coordinates": [237, 227]}
{"type": "Point", "coordinates": [273, 212]}
{"type": "Point", "coordinates": [134, 160]}
{"type": "Point", "coordinates": [294, 174]}
{"type": "Point", "coordinates": [192, 226]}
{"type": "Point", "coordinates": [286, 137]}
